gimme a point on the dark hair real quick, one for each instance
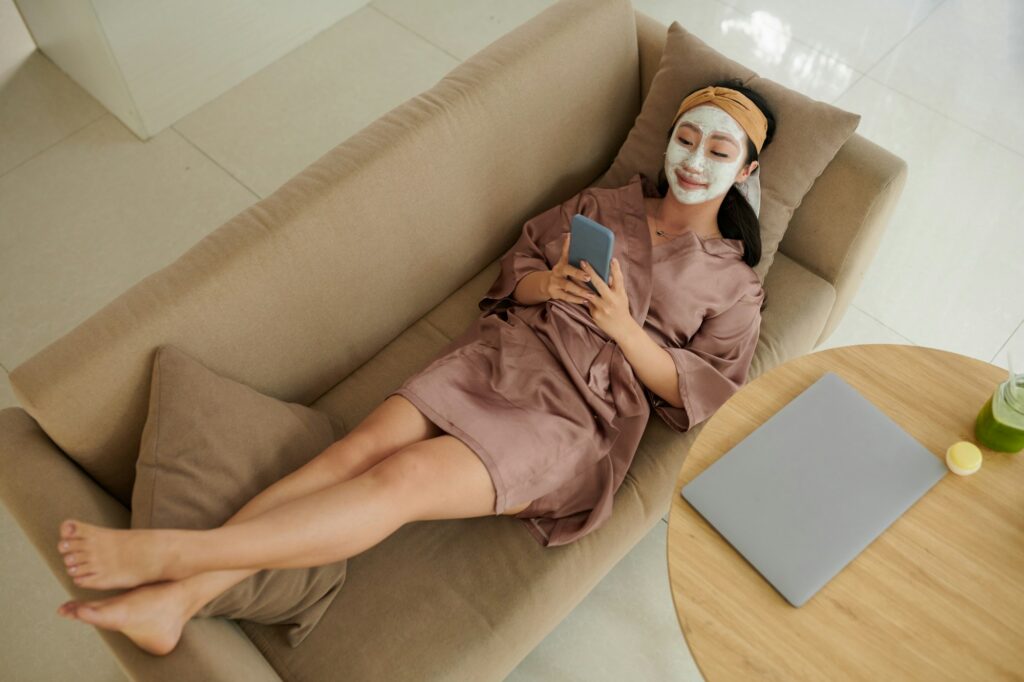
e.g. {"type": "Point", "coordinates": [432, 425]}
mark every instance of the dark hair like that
{"type": "Point", "coordinates": [736, 217]}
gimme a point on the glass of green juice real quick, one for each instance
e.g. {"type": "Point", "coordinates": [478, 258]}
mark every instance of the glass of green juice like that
{"type": "Point", "coordinates": [1000, 424]}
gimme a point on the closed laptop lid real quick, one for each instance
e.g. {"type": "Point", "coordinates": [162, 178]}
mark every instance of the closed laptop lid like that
{"type": "Point", "coordinates": [803, 494]}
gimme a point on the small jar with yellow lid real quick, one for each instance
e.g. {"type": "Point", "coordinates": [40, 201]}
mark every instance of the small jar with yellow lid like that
{"type": "Point", "coordinates": [963, 458]}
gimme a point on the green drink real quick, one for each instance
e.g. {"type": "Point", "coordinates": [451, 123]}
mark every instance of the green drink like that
{"type": "Point", "coordinates": [1000, 424]}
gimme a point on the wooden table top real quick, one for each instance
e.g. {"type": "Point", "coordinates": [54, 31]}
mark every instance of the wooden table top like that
{"type": "Point", "coordinates": [938, 595]}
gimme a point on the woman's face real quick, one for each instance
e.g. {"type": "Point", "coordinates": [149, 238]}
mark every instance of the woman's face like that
{"type": "Point", "coordinates": [707, 148]}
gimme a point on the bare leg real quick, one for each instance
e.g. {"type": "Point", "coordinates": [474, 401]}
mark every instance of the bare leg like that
{"type": "Point", "coordinates": [439, 478]}
{"type": "Point", "coordinates": [153, 615]}
{"type": "Point", "coordinates": [391, 426]}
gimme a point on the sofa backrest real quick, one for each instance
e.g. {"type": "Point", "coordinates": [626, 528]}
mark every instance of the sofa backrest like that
{"type": "Point", "coordinates": [295, 292]}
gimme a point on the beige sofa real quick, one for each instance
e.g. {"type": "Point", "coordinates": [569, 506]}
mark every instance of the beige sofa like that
{"type": "Point", "coordinates": [351, 276]}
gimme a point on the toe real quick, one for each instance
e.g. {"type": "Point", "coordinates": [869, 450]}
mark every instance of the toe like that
{"type": "Point", "coordinates": [87, 611]}
{"type": "Point", "coordinates": [95, 613]}
{"type": "Point", "coordinates": [68, 528]}
{"type": "Point", "coordinates": [67, 545]}
{"type": "Point", "coordinates": [88, 580]}
{"type": "Point", "coordinates": [79, 570]}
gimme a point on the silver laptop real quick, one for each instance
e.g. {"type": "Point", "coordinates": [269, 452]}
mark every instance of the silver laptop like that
{"type": "Point", "coordinates": [805, 492]}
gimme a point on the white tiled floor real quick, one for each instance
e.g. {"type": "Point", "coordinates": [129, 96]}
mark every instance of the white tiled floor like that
{"type": "Point", "coordinates": [86, 210]}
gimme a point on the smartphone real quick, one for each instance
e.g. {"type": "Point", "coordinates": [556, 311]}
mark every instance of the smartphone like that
{"type": "Point", "coordinates": [591, 241]}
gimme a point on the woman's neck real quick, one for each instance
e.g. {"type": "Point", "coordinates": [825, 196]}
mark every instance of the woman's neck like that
{"type": "Point", "coordinates": [677, 217]}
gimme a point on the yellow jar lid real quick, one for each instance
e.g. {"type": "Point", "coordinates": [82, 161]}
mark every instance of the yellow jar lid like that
{"type": "Point", "coordinates": [965, 455]}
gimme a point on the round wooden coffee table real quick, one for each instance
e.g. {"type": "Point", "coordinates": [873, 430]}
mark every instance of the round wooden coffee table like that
{"type": "Point", "coordinates": [938, 595]}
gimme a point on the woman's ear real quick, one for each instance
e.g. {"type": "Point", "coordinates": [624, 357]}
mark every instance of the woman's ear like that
{"type": "Point", "coordinates": [746, 171]}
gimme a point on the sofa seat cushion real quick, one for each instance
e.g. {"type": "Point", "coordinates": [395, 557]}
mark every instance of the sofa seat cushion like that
{"type": "Point", "coordinates": [807, 136]}
{"type": "Point", "coordinates": [209, 445]}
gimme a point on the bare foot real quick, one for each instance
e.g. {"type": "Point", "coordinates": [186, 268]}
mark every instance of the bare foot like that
{"type": "Point", "coordinates": [107, 558]}
{"type": "Point", "coordinates": [152, 616]}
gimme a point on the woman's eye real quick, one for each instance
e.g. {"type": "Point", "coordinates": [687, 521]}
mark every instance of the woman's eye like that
{"type": "Point", "coordinates": [682, 141]}
{"type": "Point", "coordinates": [719, 154]}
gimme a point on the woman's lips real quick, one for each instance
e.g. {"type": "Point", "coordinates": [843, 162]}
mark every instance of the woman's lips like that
{"type": "Point", "coordinates": [686, 183]}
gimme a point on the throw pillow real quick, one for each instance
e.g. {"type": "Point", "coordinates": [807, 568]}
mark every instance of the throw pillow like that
{"type": "Point", "coordinates": [209, 445]}
{"type": "Point", "coordinates": [807, 136]}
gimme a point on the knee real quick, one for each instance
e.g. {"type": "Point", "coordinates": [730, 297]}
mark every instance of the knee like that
{"type": "Point", "coordinates": [402, 472]}
{"type": "Point", "coordinates": [345, 457]}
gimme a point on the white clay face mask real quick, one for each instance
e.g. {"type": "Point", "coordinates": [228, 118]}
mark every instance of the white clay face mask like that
{"type": "Point", "coordinates": [699, 163]}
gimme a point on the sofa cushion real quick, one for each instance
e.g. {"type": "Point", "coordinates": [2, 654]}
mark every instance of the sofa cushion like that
{"type": "Point", "coordinates": [807, 136]}
{"type": "Point", "coordinates": [209, 445]}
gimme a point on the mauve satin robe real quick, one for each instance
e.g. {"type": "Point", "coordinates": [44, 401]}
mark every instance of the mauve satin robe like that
{"type": "Point", "coordinates": [549, 402]}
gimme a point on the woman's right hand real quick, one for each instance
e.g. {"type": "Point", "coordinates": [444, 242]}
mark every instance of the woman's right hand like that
{"type": "Point", "coordinates": [560, 285]}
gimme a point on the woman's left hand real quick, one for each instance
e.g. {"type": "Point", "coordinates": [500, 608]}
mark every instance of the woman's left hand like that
{"type": "Point", "coordinates": [610, 308]}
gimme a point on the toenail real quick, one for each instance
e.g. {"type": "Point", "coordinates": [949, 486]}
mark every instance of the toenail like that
{"type": "Point", "coordinates": [65, 545]}
{"type": "Point", "coordinates": [73, 569]}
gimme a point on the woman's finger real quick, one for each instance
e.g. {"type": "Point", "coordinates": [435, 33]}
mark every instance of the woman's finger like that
{"type": "Point", "coordinates": [582, 291]}
{"type": "Point", "coordinates": [572, 297]}
{"type": "Point", "coordinates": [595, 279]}
{"type": "Point", "coordinates": [564, 258]}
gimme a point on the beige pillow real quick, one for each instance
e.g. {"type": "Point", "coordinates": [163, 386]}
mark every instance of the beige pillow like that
{"type": "Point", "coordinates": [807, 136]}
{"type": "Point", "coordinates": [210, 445]}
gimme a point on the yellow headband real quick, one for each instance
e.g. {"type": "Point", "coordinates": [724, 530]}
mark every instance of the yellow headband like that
{"type": "Point", "coordinates": [734, 103]}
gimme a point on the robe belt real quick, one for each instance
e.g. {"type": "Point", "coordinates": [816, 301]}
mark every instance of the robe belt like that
{"type": "Point", "coordinates": [610, 372]}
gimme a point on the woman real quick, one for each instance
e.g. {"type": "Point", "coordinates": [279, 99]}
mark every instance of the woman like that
{"type": "Point", "coordinates": [536, 411]}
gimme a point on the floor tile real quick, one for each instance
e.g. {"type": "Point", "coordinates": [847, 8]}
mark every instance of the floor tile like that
{"type": "Point", "coordinates": [283, 118]}
{"type": "Point", "coordinates": [1012, 350]}
{"type": "Point", "coordinates": [857, 327]}
{"type": "Point", "coordinates": [461, 27]}
{"type": "Point", "coordinates": [626, 628]}
{"type": "Point", "coordinates": [962, 55]}
{"type": "Point", "coordinates": [948, 268]}
{"type": "Point", "coordinates": [93, 215]}
{"type": "Point", "coordinates": [39, 104]}
{"type": "Point", "coordinates": [761, 42]}
{"type": "Point", "coordinates": [856, 33]}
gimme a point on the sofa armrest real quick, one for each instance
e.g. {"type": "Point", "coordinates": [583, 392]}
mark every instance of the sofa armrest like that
{"type": "Point", "coordinates": [41, 487]}
{"type": "Point", "coordinates": [837, 228]}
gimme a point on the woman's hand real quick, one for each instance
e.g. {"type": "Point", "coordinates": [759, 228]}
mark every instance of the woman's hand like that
{"type": "Point", "coordinates": [610, 309]}
{"type": "Point", "coordinates": [559, 287]}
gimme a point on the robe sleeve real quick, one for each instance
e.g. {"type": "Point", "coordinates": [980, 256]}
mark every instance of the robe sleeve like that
{"type": "Point", "coordinates": [537, 249]}
{"type": "Point", "coordinates": [713, 364]}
